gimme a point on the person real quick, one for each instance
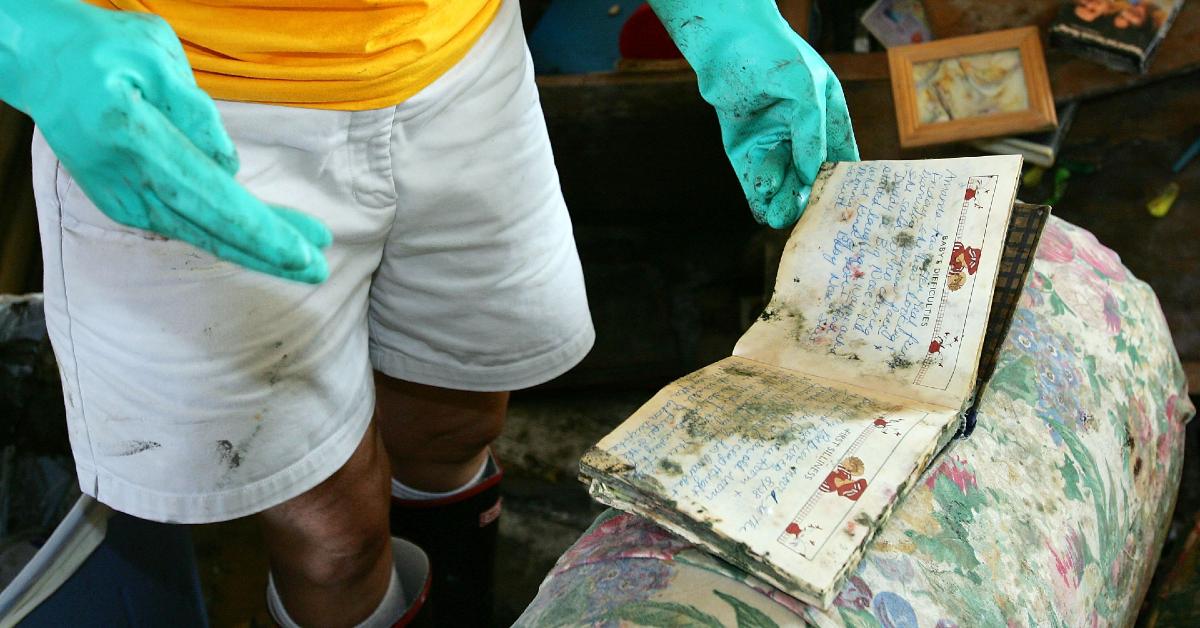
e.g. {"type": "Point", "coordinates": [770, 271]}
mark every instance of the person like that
{"type": "Point", "coordinates": [298, 252]}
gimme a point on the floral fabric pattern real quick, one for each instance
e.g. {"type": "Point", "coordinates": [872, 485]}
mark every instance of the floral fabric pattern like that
{"type": "Point", "coordinates": [1052, 513]}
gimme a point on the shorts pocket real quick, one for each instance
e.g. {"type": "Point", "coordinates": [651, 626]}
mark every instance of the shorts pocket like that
{"type": "Point", "coordinates": [78, 213]}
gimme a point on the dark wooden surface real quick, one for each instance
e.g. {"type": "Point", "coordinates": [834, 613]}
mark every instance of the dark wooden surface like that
{"type": "Point", "coordinates": [954, 18]}
{"type": "Point", "coordinates": [1071, 77]}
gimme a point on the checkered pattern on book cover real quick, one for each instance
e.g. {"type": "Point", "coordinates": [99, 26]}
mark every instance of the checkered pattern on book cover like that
{"type": "Point", "coordinates": [1024, 230]}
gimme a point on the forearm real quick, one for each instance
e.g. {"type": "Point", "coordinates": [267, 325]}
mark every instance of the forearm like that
{"type": "Point", "coordinates": [733, 45]}
{"type": "Point", "coordinates": [704, 28]}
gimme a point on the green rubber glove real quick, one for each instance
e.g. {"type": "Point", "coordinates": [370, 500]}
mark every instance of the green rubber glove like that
{"type": "Point", "coordinates": [781, 109]}
{"type": "Point", "coordinates": [114, 96]}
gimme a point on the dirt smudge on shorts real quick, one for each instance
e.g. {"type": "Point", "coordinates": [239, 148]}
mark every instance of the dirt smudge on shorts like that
{"type": "Point", "coordinates": [133, 447]}
{"type": "Point", "coordinates": [275, 372]}
{"type": "Point", "coordinates": [229, 457]}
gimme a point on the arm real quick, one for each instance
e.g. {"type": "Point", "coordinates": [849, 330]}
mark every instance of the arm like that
{"type": "Point", "coordinates": [114, 96]}
{"type": "Point", "coordinates": [781, 109]}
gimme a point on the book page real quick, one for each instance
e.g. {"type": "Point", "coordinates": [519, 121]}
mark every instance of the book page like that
{"type": "Point", "coordinates": [887, 278]}
{"type": "Point", "coordinates": [783, 474]}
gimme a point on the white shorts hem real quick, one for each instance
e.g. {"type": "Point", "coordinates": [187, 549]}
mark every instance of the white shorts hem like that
{"type": "Point", "coordinates": [526, 373]}
{"type": "Point", "coordinates": [241, 501]}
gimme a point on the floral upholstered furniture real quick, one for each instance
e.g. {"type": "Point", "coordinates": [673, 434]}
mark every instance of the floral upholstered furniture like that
{"type": "Point", "coordinates": [1051, 514]}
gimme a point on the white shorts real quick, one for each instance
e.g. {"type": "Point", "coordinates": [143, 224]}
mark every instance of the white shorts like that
{"type": "Point", "coordinates": [199, 391]}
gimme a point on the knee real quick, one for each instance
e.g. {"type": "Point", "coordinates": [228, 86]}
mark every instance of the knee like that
{"type": "Point", "coordinates": [438, 425]}
{"type": "Point", "coordinates": [332, 558]}
{"type": "Point", "coordinates": [463, 439]}
{"type": "Point", "coordinates": [451, 440]}
{"type": "Point", "coordinates": [337, 532]}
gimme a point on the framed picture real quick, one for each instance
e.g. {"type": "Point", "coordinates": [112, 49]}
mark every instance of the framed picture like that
{"type": "Point", "coordinates": [971, 87]}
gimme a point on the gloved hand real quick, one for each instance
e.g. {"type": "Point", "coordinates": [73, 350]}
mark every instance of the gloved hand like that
{"type": "Point", "coordinates": [114, 96]}
{"type": "Point", "coordinates": [781, 109]}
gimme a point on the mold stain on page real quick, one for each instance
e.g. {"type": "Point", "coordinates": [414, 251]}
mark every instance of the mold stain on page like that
{"type": "Point", "coordinates": [670, 467]}
{"type": "Point", "coordinates": [899, 362]}
{"type": "Point", "coordinates": [905, 239]}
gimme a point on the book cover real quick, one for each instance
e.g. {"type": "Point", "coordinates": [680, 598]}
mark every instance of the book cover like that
{"type": "Point", "coordinates": [785, 458]}
{"type": "Point", "coordinates": [897, 22]}
{"type": "Point", "coordinates": [1040, 149]}
{"type": "Point", "coordinates": [1121, 34]}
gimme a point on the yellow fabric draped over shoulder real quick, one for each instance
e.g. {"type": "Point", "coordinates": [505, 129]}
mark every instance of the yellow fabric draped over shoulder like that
{"type": "Point", "coordinates": [326, 54]}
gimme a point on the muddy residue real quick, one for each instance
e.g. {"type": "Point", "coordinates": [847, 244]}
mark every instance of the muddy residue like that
{"type": "Point", "coordinates": [649, 485]}
{"type": "Point", "coordinates": [230, 458]}
{"type": "Point", "coordinates": [737, 371]}
{"type": "Point", "coordinates": [795, 320]}
{"type": "Point", "coordinates": [670, 467]}
{"type": "Point", "coordinates": [899, 362]}
{"type": "Point", "coordinates": [231, 455]}
{"type": "Point", "coordinates": [761, 420]}
{"type": "Point", "coordinates": [275, 372]}
{"type": "Point", "coordinates": [132, 447]}
{"type": "Point", "coordinates": [840, 311]}
{"type": "Point", "coordinates": [769, 314]}
{"type": "Point", "coordinates": [603, 462]}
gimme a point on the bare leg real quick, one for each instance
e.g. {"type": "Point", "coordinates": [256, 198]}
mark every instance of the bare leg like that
{"type": "Point", "coordinates": [330, 549]}
{"type": "Point", "coordinates": [438, 441]}
{"type": "Point", "coordinates": [436, 438]}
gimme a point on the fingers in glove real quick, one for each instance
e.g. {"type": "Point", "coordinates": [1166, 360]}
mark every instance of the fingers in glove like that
{"type": "Point", "coordinates": [809, 147]}
{"type": "Point", "coordinates": [167, 82]}
{"type": "Point", "coordinates": [314, 273]}
{"type": "Point", "coordinates": [766, 166]}
{"type": "Point", "coordinates": [309, 227]}
{"type": "Point", "coordinates": [839, 131]}
{"type": "Point", "coordinates": [196, 191]}
{"type": "Point", "coordinates": [195, 115]}
{"type": "Point", "coordinates": [785, 208]}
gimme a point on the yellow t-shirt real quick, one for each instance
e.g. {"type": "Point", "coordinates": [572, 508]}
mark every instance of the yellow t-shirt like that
{"type": "Point", "coordinates": [326, 54]}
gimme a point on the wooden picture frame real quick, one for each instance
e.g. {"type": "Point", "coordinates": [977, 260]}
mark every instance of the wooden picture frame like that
{"type": "Point", "coordinates": [971, 87]}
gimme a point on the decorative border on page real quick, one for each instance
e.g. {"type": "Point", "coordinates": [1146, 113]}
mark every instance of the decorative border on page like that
{"type": "Point", "coordinates": [947, 340]}
{"type": "Point", "coordinates": [842, 487]}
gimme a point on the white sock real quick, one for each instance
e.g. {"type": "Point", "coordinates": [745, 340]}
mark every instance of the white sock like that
{"type": "Point", "coordinates": [391, 608]}
{"type": "Point", "coordinates": [403, 491]}
{"type": "Point", "coordinates": [275, 605]}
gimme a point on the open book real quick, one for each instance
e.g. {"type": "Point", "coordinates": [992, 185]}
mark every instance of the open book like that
{"type": "Point", "coordinates": [893, 294]}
